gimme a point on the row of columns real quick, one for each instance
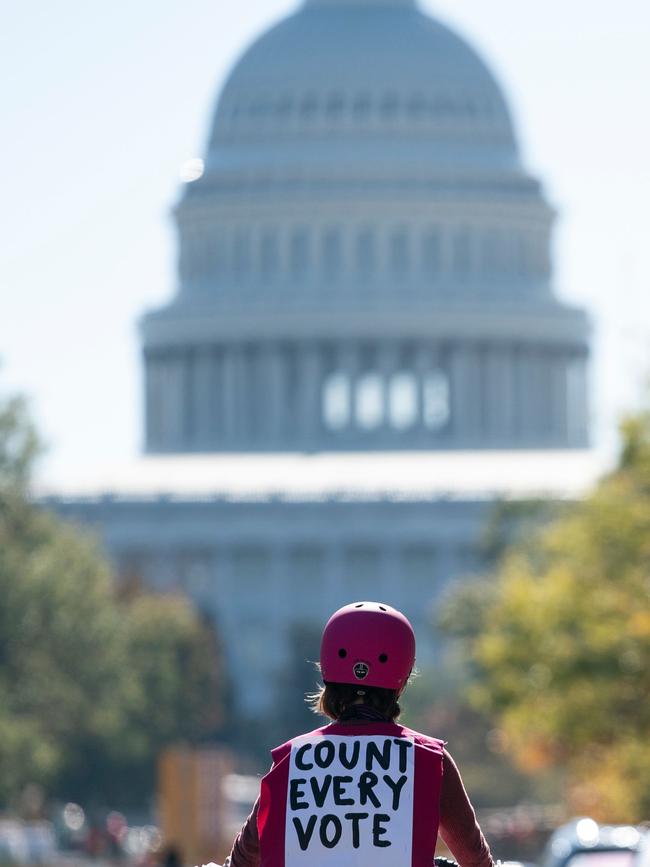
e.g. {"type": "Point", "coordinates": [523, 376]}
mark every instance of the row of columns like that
{"type": "Point", "coordinates": [272, 397]}
{"type": "Point", "coordinates": [209, 259]}
{"type": "Point", "coordinates": [259, 608]}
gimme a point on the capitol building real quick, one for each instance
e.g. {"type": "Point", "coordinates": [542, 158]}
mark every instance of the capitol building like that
{"type": "Point", "coordinates": [364, 349]}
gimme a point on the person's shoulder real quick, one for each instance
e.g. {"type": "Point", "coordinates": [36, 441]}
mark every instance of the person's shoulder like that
{"type": "Point", "coordinates": [279, 752]}
{"type": "Point", "coordinates": [435, 744]}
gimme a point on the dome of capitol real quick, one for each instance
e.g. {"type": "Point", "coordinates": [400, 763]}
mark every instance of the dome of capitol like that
{"type": "Point", "coordinates": [364, 262]}
{"type": "Point", "coordinates": [350, 86]}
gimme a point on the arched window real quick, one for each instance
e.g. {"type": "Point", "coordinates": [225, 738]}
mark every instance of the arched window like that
{"type": "Point", "coordinates": [336, 401]}
{"type": "Point", "coordinates": [241, 254]}
{"type": "Point", "coordinates": [210, 257]}
{"type": "Point", "coordinates": [435, 400]}
{"type": "Point", "coordinates": [507, 252]}
{"type": "Point", "coordinates": [369, 403]}
{"type": "Point", "coordinates": [365, 254]}
{"type": "Point", "coordinates": [332, 253]}
{"type": "Point", "coordinates": [520, 244]}
{"type": "Point", "coordinates": [492, 253]}
{"type": "Point", "coordinates": [269, 255]}
{"type": "Point", "coordinates": [539, 253]}
{"type": "Point", "coordinates": [431, 254]}
{"type": "Point", "coordinates": [188, 256]}
{"type": "Point", "coordinates": [299, 254]}
{"type": "Point", "coordinates": [399, 253]}
{"type": "Point", "coordinates": [461, 253]}
{"type": "Point", "coordinates": [403, 400]}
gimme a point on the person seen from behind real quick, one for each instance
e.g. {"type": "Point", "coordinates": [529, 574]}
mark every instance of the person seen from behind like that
{"type": "Point", "coordinates": [363, 790]}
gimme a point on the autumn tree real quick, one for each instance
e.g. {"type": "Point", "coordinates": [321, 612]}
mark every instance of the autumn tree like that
{"type": "Point", "coordinates": [559, 642]}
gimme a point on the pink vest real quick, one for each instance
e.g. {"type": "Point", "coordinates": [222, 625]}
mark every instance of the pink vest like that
{"type": "Point", "coordinates": [351, 795]}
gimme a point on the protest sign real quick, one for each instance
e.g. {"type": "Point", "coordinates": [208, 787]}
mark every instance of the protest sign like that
{"type": "Point", "coordinates": [351, 797]}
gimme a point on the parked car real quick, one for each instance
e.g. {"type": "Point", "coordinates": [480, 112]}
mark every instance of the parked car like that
{"type": "Point", "coordinates": [643, 855]}
{"type": "Point", "coordinates": [585, 843]}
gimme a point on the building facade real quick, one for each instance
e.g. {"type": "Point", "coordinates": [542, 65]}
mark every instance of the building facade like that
{"type": "Point", "coordinates": [364, 300]}
{"type": "Point", "coordinates": [365, 263]}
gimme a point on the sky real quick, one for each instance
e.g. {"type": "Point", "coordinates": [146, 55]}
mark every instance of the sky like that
{"type": "Point", "coordinates": [102, 103]}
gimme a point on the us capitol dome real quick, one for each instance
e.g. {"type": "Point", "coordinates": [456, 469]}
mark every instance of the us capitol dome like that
{"type": "Point", "coordinates": [364, 263]}
{"type": "Point", "coordinates": [363, 350]}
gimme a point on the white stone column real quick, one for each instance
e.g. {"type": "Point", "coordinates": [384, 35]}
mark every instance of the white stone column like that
{"type": "Point", "coordinates": [545, 423]}
{"type": "Point", "coordinates": [559, 399]}
{"type": "Point", "coordinates": [391, 577]}
{"type": "Point", "coordinates": [387, 365]}
{"type": "Point", "coordinates": [215, 584]}
{"type": "Point", "coordinates": [224, 589]}
{"type": "Point", "coordinates": [334, 576]}
{"type": "Point", "coordinates": [173, 402]}
{"type": "Point", "coordinates": [445, 269]}
{"type": "Point", "coordinates": [348, 363]}
{"type": "Point", "coordinates": [280, 600]}
{"type": "Point", "coordinates": [188, 401]}
{"type": "Point", "coordinates": [153, 402]}
{"type": "Point", "coordinates": [247, 394]}
{"type": "Point", "coordinates": [466, 394]}
{"type": "Point", "coordinates": [548, 421]}
{"type": "Point", "coordinates": [310, 364]}
{"type": "Point", "coordinates": [518, 373]}
{"type": "Point", "coordinates": [227, 607]}
{"type": "Point", "coordinates": [525, 394]}
{"type": "Point", "coordinates": [164, 575]}
{"type": "Point", "coordinates": [230, 396]}
{"type": "Point", "coordinates": [422, 365]}
{"type": "Point", "coordinates": [534, 397]}
{"type": "Point", "coordinates": [276, 402]}
{"type": "Point", "coordinates": [499, 395]}
{"type": "Point", "coordinates": [577, 402]}
{"type": "Point", "coordinates": [204, 397]}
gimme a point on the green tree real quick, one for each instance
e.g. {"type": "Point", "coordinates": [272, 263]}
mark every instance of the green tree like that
{"type": "Point", "coordinates": [559, 642]}
{"type": "Point", "coordinates": [182, 691]}
{"type": "Point", "coordinates": [91, 685]}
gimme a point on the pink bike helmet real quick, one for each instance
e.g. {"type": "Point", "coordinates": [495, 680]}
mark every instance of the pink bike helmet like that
{"type": "Point", "coordinates": [370, 643]}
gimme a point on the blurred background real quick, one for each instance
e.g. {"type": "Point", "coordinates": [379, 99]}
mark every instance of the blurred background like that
{"type": "Point", "coordinates": [305, 303]}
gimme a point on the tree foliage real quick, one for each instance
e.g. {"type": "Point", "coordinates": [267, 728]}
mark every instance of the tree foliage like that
{"type": "Point", "coordinates": [559, 641]}
{"type": "Point", "coordinates": [435, 703]}
{"type": "Point", "coordinates": [91, 685]}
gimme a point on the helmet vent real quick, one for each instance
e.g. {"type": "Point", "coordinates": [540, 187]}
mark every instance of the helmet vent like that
{"type": "Point", "coordinates": [359, 605]}
{"type": "Point", "coordinates": [382, 608]}
{"type": "Point", "coordinates": [383, 657]}
{"type": "Point", "coordinates": [343, 653]}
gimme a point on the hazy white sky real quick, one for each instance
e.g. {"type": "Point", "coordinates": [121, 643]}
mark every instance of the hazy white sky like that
{"type": "Point", "coordinates": [103, 102]}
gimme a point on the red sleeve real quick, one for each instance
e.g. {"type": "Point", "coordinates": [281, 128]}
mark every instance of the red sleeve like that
{"type": "Point", "coordinates": [246, 848]}
{"type": "Point", "coordinates": [458, 826]}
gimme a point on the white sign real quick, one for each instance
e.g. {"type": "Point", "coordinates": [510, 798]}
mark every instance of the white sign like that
{"type": "Point", "coordinates": [352, 798]}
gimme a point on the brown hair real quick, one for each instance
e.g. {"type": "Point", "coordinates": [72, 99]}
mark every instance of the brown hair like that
{"type": "Point", "coordinates": [334, 699]}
